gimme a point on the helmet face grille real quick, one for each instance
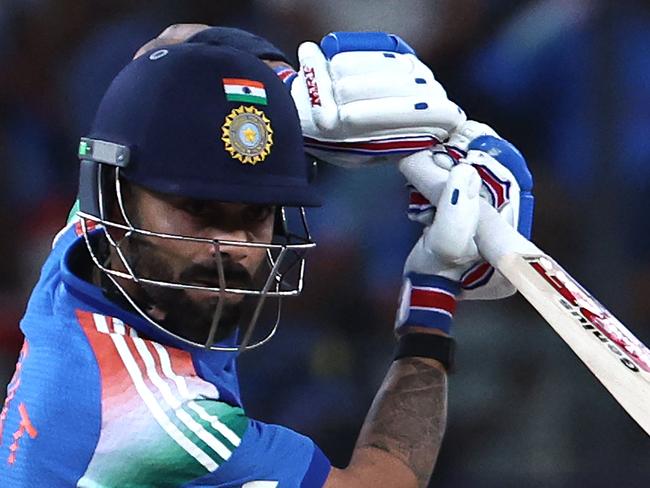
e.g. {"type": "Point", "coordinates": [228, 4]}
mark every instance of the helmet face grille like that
{"type": "Point", "coordinates": [280, 275]}
{"type": "Point", "coordinates": [200, 122]}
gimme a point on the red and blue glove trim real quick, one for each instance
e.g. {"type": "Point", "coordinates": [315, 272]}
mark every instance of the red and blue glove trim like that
{"type": "Point", "coordinates": [432, 302]}
{"type": "Point", "coordinates": [377, 147]}
{"type": "Point", "coordinates": [418, 203]}
{"type": "Point", "coordinates": [478, 275]}
{"type": "Point", "coordinates": [286, 74]}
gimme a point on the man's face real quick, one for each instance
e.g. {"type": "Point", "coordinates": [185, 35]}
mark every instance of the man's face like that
{"type": "Point", "coordinates": [189, 313]}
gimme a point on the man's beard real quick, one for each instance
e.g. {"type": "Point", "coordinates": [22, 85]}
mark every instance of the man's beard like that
{"type": "Point", "coordinates": [175, 311]}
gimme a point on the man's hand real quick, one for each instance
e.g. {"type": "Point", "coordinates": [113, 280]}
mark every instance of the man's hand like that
{"type": "Point", "coordinates": [446, 250]}
{"type": "Point", "coordinates": [365, 98]}
{"type": "Point", "coordinates": [174, 34]}
{"type": "Point", "coordinates": [178, 33]}
{"type": "Point", "coordinates": [506, 185]}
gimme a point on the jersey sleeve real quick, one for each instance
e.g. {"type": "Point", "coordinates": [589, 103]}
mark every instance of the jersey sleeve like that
{"type": "Point", "coordinates": [270, 456]}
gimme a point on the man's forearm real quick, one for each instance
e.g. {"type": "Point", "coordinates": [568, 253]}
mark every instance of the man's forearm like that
{"type": "Point", "coordinates": [408, 416]}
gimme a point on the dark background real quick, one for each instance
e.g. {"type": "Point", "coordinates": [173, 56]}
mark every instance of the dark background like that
{"type": "Point", "coordinates": [567, 81]}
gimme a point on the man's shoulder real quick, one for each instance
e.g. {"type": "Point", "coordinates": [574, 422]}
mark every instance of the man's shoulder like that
{"type": "Point", "coordinates": [136, 412]}
{"type": "Point", "coordinates": [160, 419]}
{"type": "Point", "coordinates": [41, 301]}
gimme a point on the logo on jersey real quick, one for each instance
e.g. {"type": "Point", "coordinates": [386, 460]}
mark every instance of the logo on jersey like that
{"type": "Point", "coordinates": [247, 134]}
{"type": "Point", "coordinates": [25, 425]}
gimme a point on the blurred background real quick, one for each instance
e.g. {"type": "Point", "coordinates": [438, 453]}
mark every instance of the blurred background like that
{"type": "Point", "coordinates": [567, 81]}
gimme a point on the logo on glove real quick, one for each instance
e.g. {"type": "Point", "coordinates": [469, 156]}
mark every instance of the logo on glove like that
{"type": "Point", "coordinates": [312, 86]}
{"type": "Point", "coordinates": [247, 135]}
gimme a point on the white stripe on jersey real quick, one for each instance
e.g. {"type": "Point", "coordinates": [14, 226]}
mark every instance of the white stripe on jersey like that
{"type": "Point", "coordinates": [150, 401]}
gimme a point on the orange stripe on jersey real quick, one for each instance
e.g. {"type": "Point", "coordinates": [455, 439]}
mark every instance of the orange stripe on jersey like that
{"type": "Point", "coordinates": [181, 362]}
{"type": "Point", "coordinates": [114, 376]}
{"type": "Point", "coordinates": [156, 360]}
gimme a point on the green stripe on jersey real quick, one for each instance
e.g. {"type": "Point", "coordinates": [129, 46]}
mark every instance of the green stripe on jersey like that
{"type": "Point", "coordinates": [73, 212]}
{"type": "Point", "coordinates": [156, 460]}
{"type": "Point", "coordinates": [232, 417]}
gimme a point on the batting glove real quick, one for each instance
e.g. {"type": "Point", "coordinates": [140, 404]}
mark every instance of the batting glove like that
{"type": "Point", "coordinates": [444, 252]}
{"type": "Point", "coordinates": [506, 185]}
{"type": "Point", "coordinates": [365, 97]}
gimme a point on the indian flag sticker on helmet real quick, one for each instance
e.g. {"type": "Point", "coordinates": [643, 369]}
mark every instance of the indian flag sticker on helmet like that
{"type": "Point", "coordinates": [247, 134]}
{"type": "Point", "coordinates": [245, 91]}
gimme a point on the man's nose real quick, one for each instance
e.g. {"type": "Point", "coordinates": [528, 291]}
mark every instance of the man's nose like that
{"type": "Point", "coordinates": [221, 238]}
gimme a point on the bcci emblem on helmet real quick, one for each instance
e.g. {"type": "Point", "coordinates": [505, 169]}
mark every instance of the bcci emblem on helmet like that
{"type": "Point", "coordinates": [248, 134]}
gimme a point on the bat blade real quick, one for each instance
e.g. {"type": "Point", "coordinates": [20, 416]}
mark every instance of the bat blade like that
{"type": "Point", "coordinates": [619, 360]}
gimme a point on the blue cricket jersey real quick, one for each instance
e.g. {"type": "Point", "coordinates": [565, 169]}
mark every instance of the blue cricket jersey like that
{"type": "Point", "coordinates": [92, 404]}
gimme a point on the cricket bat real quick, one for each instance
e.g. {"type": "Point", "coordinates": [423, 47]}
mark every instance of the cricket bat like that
{"type": "Point", "coordinates": [619, 360]}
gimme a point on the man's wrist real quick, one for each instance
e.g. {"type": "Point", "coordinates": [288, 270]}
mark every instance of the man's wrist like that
{"type": "Point", "coordinates": [427, 345]}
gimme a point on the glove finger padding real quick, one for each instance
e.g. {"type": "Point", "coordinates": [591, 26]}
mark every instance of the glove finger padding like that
{"type": "Point", "coordinates": [451, 235]}
{"type": "Point", "coordinates": [317, 84]}
{"type": "Point", "coordinates": [389, 84]}
{"type": "Point", "coordinates": [367, 63]}
{"type": "Point", "coordinates": [465, 133]}
{"type": "Point", "coordinates": [446, 247]}
{"type": "Point", "coordinates": [420, 209]}
{"type": "Point", "coordinates": [421, 171]}
{"type": "Point", "coordinates": [370, 105]}
{"type": "Point", "coordinates": [374, 116]}
{"type": "Point", "coordinates": [447, 155]}
{"type": "Point", "coordinates": [361, 95]}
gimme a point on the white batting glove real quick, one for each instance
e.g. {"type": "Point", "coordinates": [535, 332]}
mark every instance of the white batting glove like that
{"type": "Point", "coordinates": [506, 185]}
{"type": "Point", "coordinates": [446, 156]}
{"type": "Point", "coordinates": [444, 252]}
{"type": "Point", "coordinates": [365, 98]}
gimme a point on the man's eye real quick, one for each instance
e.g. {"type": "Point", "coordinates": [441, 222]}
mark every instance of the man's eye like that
{"type": "Point", "coordinates": [258, 213]}
{"type": "Point", "coordinates": [195, 207]}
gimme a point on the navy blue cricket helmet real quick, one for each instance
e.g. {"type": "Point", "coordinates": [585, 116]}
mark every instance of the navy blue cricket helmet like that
{"type": "Point", "coordinates": [201, 121]}
{"type": "Point", "coordinates": [242, 40]}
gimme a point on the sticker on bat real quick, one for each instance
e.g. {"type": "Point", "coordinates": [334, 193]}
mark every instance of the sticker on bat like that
{"type": "Point", "coordinates": [592, 316]}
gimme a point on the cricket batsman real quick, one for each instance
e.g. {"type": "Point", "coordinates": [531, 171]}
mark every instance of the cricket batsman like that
{"type": "Point", "coordinates": [182, 235]}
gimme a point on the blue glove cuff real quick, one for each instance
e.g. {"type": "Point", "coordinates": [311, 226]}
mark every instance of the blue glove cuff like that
{"type": "Point", "coordinates": [340, 42]}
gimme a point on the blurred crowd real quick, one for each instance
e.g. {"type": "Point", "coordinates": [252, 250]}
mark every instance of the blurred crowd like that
{"type": "Point", "coordinates": [567, 81]}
